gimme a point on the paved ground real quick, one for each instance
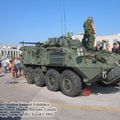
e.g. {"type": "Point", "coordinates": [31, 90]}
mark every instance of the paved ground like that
{"type": "Point", "coordinates": [103, 103]}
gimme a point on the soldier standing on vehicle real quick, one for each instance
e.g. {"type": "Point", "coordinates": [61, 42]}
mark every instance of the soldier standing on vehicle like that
{"type": "Point", "coordinates": [89, 35]}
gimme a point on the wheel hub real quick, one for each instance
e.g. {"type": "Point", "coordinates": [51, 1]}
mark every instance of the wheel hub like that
{"type": "Point", "coordinates": [51, 81]}
{"type": "Point", "coordinates": [36, 76]}
{"type": "Point", "coordinates": [67, 84]}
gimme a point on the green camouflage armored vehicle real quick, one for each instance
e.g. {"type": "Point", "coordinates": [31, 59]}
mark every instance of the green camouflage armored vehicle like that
{"type": "Point", "coordinates": [63, 64]}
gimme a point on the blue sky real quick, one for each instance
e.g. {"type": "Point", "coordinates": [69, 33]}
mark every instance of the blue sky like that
{"type": "Point", "coordinates": [36, 20]}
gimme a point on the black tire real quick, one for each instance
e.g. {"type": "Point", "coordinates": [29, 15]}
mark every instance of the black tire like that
{"type": "Point", "coordinates": [39, 77]}
{"type": "Point", "coordinates": [70, 83]}
{"type": "Point", "coordinates": [30, 75]}
{"type": "Point", "coordinates": [52, 80]}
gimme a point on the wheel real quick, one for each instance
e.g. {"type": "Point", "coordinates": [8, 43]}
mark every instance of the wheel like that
{"type": "Point", "coordinates": [70, 83]}
{"type": "Point", "coordinates": [30, 75]}
{"type": "Point", "coordinates": [52, 80]}
{"type": "Point", "coordinates": [39, 77]}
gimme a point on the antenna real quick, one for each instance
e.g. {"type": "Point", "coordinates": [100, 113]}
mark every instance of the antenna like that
{"type": "Point", "coordinates": [63, 17]}
{"type": "Point", "coordinates": [64, 11]}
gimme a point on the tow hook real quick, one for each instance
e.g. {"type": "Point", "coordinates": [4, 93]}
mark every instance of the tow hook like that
{"type": "Point", "coordinates": [104, 74]}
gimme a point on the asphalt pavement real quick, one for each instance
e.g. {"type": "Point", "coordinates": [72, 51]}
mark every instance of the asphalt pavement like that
{"type": "Point", "coordinates": [103, 103]}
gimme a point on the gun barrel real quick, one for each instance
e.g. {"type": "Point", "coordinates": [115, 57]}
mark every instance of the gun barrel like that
{"type": "Point", "coordinates": [36, 43]}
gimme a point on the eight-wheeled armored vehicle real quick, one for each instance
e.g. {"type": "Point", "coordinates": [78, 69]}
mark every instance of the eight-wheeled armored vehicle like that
{"type": "Point", "coordinates": [63, 64]}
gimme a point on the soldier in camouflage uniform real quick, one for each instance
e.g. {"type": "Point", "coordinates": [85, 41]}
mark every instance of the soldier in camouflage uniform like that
{"type": "Point", "coordinates": [89, 36]}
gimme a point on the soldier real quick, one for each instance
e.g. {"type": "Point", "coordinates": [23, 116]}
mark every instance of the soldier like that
{"type": "Point", "coordinates": [89, 36]}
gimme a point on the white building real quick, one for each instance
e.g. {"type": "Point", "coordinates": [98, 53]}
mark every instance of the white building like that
{"type": "Point", "coordinates": [110, 38]}
{"type": "Point", "coordinates": [10, 51]}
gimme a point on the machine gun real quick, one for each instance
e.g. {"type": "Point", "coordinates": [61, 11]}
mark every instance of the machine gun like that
{"type": "Point", "coordinates": [33, 43]}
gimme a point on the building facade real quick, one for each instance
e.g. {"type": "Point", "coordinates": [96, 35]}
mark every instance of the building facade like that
{"type": "Point", "coordinates": [9, 51]}
{"type": "Point", "coordinates": [110, 38]}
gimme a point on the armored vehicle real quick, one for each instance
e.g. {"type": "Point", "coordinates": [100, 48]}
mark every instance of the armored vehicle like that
{"type": "Point", "coordinates": [63, 64]}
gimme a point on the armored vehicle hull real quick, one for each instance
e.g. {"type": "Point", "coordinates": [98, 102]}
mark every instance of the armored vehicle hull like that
{"type": "Point", "coordinates": [63, 64]}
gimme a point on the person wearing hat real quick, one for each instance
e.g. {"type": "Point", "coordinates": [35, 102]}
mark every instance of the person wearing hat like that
{"type": "Point", "coordinates": [89, 35]}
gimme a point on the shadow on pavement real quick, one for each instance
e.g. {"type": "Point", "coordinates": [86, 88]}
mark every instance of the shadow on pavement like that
{"type": "Point", "coordinates": [104, 90]}
{"type": "Point", "coordinates": [1, 75]}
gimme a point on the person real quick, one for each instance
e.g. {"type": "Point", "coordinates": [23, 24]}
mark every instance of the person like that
{"type": "Point", "coordinates": [105, 45]}
{"type": "Point", "coordinates": [118, 42]}
{"type": "Point", "coordinates": [115, 47]}
{"type": "Point", "coordinates": [0, 68]}
{"type": "Point", "coordinates": [89, 35]}
{"type": "Point", "coordinates": [13, 69]}
{"type": "Point", "coordinates": [5, 65]}
{"type": "Point", "coordinates": [98, 47]}
{"type": "Point", "coordinates": [18, 65]}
